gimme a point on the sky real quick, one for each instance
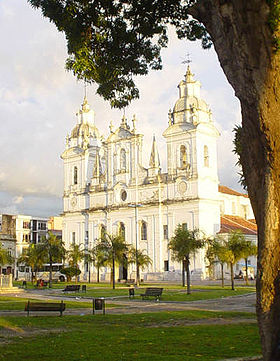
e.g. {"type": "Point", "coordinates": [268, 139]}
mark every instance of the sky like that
{"type": "Point", "coordinates": [39, 100]}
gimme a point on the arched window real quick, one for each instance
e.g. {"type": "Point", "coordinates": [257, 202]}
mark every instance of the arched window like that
{"type": "Point", "coordinates": [75, 175]}
{"type": "Point", "coordinates": [122, 230]}
{"type": "Point", "coordinates": [183, 156]}
{"type": "Point", "coordinates": [122, 160]}
{"type": "Point", "coordinates": [102, 231]}
{"type": "Point", "coordinates": [206, 156]}
{"type": "Point", "coordinates": [143, 231]}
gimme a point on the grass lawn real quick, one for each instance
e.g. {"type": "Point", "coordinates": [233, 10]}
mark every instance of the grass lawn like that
{"type": "Point", "coordinates": [157, 336]}
{"type": "Point", "coordinates": [170, 294]}
{"type": "Point", "coordinates": [17, 303]}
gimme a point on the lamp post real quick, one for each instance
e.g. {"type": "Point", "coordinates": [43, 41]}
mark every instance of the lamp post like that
{"type": "Point", "coordinates": [136, 206]}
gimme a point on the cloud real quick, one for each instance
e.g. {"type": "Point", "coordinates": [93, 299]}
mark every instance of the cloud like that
{"type": "Point", "coordinates": [18, 199]}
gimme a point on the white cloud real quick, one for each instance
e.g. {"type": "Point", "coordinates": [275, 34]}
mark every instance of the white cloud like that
{"type": "Point", "coordinates": [18, 199]}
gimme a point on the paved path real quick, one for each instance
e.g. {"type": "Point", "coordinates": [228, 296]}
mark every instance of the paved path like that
{"type": "Point", "coordinates": [244, 303]}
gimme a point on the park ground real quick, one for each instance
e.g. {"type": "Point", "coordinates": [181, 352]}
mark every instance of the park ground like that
{"type": "Point", "coordinates": [210, 324]}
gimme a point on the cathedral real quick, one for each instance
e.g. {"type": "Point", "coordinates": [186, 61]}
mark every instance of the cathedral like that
{"type": "Point", "coordinates": [108, 188]}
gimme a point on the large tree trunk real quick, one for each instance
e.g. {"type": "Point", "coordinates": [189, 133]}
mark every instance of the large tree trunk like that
{"type": "Point", "coordinates": [244, 44]}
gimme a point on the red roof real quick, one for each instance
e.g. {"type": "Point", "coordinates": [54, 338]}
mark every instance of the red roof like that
{"type": "Point", "coordinates": [233, 223]}
{"type": "Point", "coordinates": [227, 190]}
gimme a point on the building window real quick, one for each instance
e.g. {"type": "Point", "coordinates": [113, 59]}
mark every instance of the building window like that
{"type": "Point", "coordinates": [26, 225]}
{"type": "Point", "coordinates": [122, 230]}
{"type": "Point", "coordinates": [166, 266]}
{"type": "Point", "coordinates": [183, 157]}
{"type": "Point", "coordinates": [86, 235]}
{"type": "Point", "coordinates": [143, 231]}
{"type": "Point", "coordinates": [206, 156]}
{"type": "Point", "coordinates": [165, 231]}
{"type": "Point", "coordinates": [39, 238]}
{"type": "Point", "coordinates": [73, 237]}
{"type": "Point", "coordinates": [123, 195]}
{"type": "Point", "coordinates": [75, 175]}
{"type": "Point", "coordinates": [42, 226]}
{"type": "Point", "coordinates": [122, 160]}
{"type": "Point", "coordinates": [233, 208]}
{"type": "Point", "coordinates": [185, 226]}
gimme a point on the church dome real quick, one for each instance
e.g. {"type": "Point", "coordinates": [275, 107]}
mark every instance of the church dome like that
{"type": "Point", "coordinates": [186, 103]}
{"type": "Point", "coordinates": [85, 129]}
{"type": "Point", "coordinates": [189, 108]}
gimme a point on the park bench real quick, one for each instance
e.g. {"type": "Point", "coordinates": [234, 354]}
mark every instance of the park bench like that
{"type": "Point", "coordinates": [44, 307]}
{"type": "Point", "coordinates": [152, 292]}
{"type": "Point", "coordinates": [71, 288]}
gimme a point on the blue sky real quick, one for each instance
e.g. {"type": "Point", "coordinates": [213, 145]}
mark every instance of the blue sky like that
{"type": "Point", "coordinates": [39, 100]}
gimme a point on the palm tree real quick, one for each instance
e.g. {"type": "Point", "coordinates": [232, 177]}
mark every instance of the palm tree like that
{"type": "Point", "coordinates": [75, 255]}
{"type": "Point", "coordinates": [114, 248]}
{"type": "Point", "coordinates": [142, 260]}
{"type": "Point", "coordinates": [250, 249]}
{"type": "Point", "coordinates": [184, 243]}
{"type": "Point", "coordinates": [34, 257]}
{"type": "Point", "coordinates": [217, 252]}
{"type": "Point", "coordinates": [54, 251]}
{"type": "Point", "coordinates": [95, 256]}
{"type": "Point", "coordinates": [235, 245]}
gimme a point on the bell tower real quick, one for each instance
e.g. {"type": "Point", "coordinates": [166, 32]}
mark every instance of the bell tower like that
{"type": "Point", "coordinates": [191, 139]}
{"type": "Point", "coordinates": [80, 158]}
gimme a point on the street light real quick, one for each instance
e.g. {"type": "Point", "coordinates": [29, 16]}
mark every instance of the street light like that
{"type": "Point", "coordinates": [136, 206]}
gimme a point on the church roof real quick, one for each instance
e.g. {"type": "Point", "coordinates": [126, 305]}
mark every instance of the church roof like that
{"type": "Point", "coordinates": [227, 190]}
{"type": "Point", "coordinates": [232, 223]}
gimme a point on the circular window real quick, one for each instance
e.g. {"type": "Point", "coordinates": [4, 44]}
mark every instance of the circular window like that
{"type": "Point", "coordinates": [123, 195]}
{"type": "Point", "coordinates": [182, 187]}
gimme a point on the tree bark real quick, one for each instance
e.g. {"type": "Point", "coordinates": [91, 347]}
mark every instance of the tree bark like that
{"type": "Point", "coordinates": [97, 274]}
{"type": "Point", "coordinates": [223, 279]}
{"type": "Point", "coordinates": [113, 272]}
{"type": "Point", "coordinates": [183, 273]}
{"type": "Point", "coordinates": [232, 276]}
{"type": "Point", "coordinates": [50, 273]}
{"type": "Point", "coordinates": [246, 268]}
{"type": "Point", "coordinates": [243, 41]}
{"type": "Point", "coordinates": [188, 275]}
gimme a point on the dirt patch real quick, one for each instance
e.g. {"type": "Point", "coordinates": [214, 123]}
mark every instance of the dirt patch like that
{"type": "Point", "coordinates": [209, 321]}
{"type": "Point", "coordinates": [7, 335]}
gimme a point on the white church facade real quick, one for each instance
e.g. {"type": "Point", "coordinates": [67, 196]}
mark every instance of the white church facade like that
{"type": "Point", "coordinates": [107, 186]}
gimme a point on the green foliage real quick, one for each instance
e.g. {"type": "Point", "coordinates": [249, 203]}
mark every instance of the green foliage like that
{"type": "Point", "coordinates": [53, 248]}
{"type": "Point", "coordinates": [143, 260]}
{"type": "Point", "coordinates": [274, 21]}
{"type": "Point", "coordinates": [70, 272]}
{"type": "Point", "coordinates": [34, 256]}
{"type": "Point", "coordinates": [5, 257]}
{"type": "Point", "coordinates": [74, 255]}
{"type": "Point", "coordinates": [113, 248]}
{"type": "Point", "coordinates": [110, 42]}
{"type": "Point", "coordinates": [185, 242]}
{"type": "Point", "coordinates": [237, 143]}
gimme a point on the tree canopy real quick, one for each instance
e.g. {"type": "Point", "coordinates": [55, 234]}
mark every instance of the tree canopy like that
{"type": "Point", "coordinates": [110, 42]}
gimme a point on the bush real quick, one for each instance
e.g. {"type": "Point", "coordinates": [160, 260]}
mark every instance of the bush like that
{"type": "Point", "coordinates": [70, 272]}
